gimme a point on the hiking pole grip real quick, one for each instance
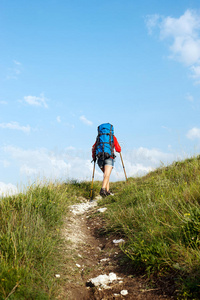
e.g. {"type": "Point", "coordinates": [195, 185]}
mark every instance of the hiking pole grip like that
{"type": "Point", "coordinates": [91, 192]}
{"type": "Point", "coordinates": [123, 166]}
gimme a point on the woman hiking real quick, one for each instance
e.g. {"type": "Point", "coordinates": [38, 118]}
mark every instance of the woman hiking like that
{"type": "Point", "coordinates": [103, 151]}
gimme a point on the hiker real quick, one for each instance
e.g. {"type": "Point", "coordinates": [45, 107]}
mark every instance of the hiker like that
{"type": "Point", "coordinates": [103, 151]}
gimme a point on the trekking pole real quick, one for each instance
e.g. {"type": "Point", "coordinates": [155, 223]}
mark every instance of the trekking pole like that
{"type": "Point", "coordinates": [91, 192]}
{"type": "Point", "coordinates": [123, 166]}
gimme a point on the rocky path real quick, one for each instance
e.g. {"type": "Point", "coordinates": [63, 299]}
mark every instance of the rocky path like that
{"type": "Point", "coordinates": [92, 263]}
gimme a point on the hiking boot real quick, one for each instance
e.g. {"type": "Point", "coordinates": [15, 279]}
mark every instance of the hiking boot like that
{"type": "Point", "coordinates": [108, 193]}
{"type": "Point", "coordinates": [103, 192]}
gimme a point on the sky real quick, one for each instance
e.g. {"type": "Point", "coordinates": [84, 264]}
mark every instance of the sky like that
{"type": "Point", "coordinates": [68, 66]}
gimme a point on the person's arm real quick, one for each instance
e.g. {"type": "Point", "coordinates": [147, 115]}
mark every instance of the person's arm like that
{"type": "Point", "coordinates": [117, 145]}
{"type": "Point", "coordinates": [94, 152]}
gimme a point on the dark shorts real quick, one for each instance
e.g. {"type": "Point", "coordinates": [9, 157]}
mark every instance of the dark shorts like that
{"type": "Point", "coordinates": [105, 162]}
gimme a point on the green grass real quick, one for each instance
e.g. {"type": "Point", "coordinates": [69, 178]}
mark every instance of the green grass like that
{"type": "Point", "coordinates": [159, 217]}
{"type": "Point", "coordinates": [30, 240]}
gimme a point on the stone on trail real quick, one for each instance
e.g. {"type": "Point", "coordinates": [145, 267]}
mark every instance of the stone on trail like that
{"type": "Point", "coordinates": [102, 210]}
{"type": "Point", "coordinates": [102, 281]}
{"type": "Point", "coordinates": [81, 208]}
{"type": "Point", "coordinates": [78, 266]}
{"type": "Point", "coordinates": [118, 241]}
{"type": "Point", "coordinates": [124, 292]}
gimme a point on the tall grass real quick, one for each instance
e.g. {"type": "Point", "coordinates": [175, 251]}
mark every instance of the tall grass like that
{"type": "Point", "coordinates": [159, 216]}
{"type": "Point", "coordinates": [30, 240]}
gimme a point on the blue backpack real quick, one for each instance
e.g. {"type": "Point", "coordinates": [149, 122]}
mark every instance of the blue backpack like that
{"type": "Point", "coordinates": [105, 141]}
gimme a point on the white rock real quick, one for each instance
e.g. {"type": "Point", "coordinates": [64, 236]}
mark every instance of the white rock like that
{"type": "Point", "coordinates": [98, 197]}
{"type": "Point", "coordinates": [100, 280]}
{"type": "Point", "coordinates": [81, 208]}
{"type": "Point", "coordinates": [103, 280]}
{"type": "Point", "coordinates": [57, 275]}
{"type": "Point", "coordinates": [101, 210]}
{"type": "Point", "coordinates": [78, 265]}
{"type": "Point", "coordinates": [124, 292]}
{"type": "Point", "coordinates": [112, 277]}
{"type": "Point", "coordinates": [104, 259]}
{"type": "Point", "coordinates": [118, 241]}
{"type": "Point", "coordinates": [105, 286]}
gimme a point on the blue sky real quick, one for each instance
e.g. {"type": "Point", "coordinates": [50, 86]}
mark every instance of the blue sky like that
{"type": "Point", "coordinates": [68, 66]}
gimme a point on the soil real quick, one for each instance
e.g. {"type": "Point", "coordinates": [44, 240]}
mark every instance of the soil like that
{"type": "Point", "coordinates": [90, 253]}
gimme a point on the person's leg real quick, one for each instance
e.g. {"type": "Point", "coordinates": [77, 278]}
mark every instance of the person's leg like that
{"type": "Point", "coordinates": [107, 172]}
{"type": "Point", "coordinates": [101, 166]}
{"type": "Point", "coordinates": [106, 167]}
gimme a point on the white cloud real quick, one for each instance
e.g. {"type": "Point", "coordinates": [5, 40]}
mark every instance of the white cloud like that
{"type": "Point", "coordinates": [85, 121]}
{"type": "Point", "coordinates": [70, 148]}
{"type": "Point", "coordinates": [76, 163]}
{"type": "Point", "coordinates": [17, 63]}
{"type": "Point", "coordinates": [15, 70]}
{"type": "Point", "coordinates": [184, 36]}
{"type": "Point", "coordinates": [29, 171]}
{"type": "Point", "coordinates": [152, 22]}
{"type": "Point", "coordinates": [5, 163]}
{"type": "Point", "coordinates": [36, 101]}
{"type": "Point", "coordinates": [149, 158]}
{"type": "Point", "coordinates": [133, 170]}
{"type": "Point", "coordinates": [58, 119]}
{"type": "Point", "coordinates": [166, 128]}
{"type": "Point", "coordinates": [141, 161]}
{"type": "Point", "coordinates": [7, 189]}
{"type": "Point", "coordinates": [185, 26]}
{"type": "Point", "coordinates": [15, 126]}
{"type": "Point", "coordinates": [195, 72]}
{"type": "Point", "coordinates": [3, 102]}
{"type": "Point", "coordinates": [39, 162]}
{"type": "Point", "coordinates": [193, 133]}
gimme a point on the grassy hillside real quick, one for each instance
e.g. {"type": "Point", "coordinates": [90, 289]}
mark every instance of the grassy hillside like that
{"type": "Point", "coordinates": [30, 241]}
{"type": "Point", "coordinates": [158, 216]}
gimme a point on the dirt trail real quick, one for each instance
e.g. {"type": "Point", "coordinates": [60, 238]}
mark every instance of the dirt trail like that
{"type": "Point", "coordinates": [90, 255]}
